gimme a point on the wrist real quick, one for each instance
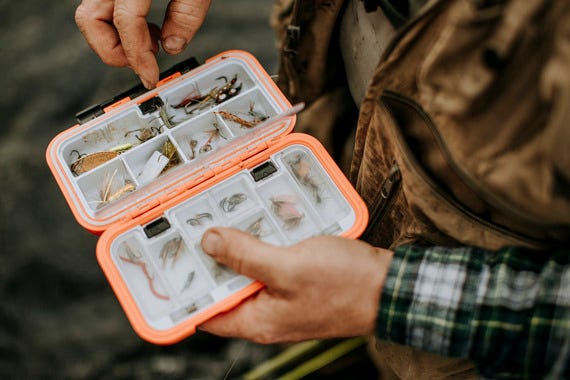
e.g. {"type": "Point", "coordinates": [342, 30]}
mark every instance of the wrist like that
{"type": "Point", "coordinates": [383, 260]}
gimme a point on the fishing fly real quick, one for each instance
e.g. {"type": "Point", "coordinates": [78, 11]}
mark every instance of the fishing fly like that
{"type": "Point", "coordinates": [212, 134]}
{"type": "Point", "coordinates": [302, 169]}
{"type": "Point", "coordinates": [228, 204]}
{"type": "Point", "coordinates": [144, 134]}
{"type": "Point", "coordinates": [136, 259]}
{"type": "Point", "coordinates": [199, 219]}
{"type": "Point", "coordinates": [285, 208]}
{"type": "Point", "coordinates": [254, 117]}
{"type": "Point", "coordinates": [108, 193]}
{"type": "Point", "coordinates": [171, 251]}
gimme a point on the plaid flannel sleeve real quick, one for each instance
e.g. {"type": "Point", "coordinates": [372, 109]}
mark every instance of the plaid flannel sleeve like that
{"type": "Point", "coordinates": [508, 311]}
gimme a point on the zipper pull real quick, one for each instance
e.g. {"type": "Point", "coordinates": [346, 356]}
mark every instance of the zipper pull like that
{"type": "Point", "coordinates": [293, 37]}
{"type": "Point", "coordinates": [392, 179]}
{"type": "Point", "coordinates": [387, 190]}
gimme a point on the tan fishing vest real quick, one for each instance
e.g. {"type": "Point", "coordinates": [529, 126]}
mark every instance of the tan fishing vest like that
{"type": "Point", "coordinates": [463, 137]}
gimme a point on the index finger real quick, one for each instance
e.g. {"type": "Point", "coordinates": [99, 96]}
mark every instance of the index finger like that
{"type": "Point", "coordinates": [94, 19]}
{"type": "Point", "coordinates": [247, 255]}
{"type": "Point", "coordinates": [130, 20]}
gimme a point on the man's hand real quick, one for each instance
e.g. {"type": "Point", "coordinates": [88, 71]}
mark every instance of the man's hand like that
{"type": "Point", "coordinates": [118, 32]}
{"type": "Point", "coordinates": [323, 287]}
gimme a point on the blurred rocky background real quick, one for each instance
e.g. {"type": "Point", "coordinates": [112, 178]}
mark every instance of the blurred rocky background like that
{"type": "Point", "coordinates": [58, 316]}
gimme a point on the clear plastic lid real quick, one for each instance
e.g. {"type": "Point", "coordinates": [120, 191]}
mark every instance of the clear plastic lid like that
{"type": "Point", "coordinates": [166, 140]}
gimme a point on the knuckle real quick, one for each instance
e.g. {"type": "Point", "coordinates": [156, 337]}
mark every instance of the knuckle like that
{"type": "Point", "coordinates": [111, 61]}
{"type": "Point", "coordinates": [81, 15]}
{"type": "Point", "coordinates": [122, 16]}
{"type": "Point", "coordinates": [183, 14]}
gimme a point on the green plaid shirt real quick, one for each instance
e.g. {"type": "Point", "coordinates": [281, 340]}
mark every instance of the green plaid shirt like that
{"type": "Point", "coordinates": [507, 311]}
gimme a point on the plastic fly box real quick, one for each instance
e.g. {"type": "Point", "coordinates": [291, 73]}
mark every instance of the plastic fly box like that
{"type": "Point", "coordinates": [209, 146]}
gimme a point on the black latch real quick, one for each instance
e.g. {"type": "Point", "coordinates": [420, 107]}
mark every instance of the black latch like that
{"type": "Point", "coordinates": [151, 105]}
{"type": "Point", "coordinates": [94, 111]}
{"type": "Point", "coordinates": [89, 113]}
{"type": "Point", "coordinates": [263, 171]}
{"type": "Point", "coordinates": [156, 227]}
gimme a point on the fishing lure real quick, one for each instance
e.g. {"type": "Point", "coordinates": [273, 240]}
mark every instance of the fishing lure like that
{"type": "Point", "coordinates": [256, 228]}
{"type": "Point", "coordinates": [212, 135]}
{"type": "Point", "coordinates": [145, 134]}
{"type": "Point", "coordinates": [193, 144]}
{"type": "Point", "coordinates": [228, 204]}
{"type": "Point", "coordinates": [189, 281]}
{"type": "Point", "coordinates": [215, 96]}
{"type": "Point", "coordinates": [228, 90]}
{"type": "Point", "coordinates": [285, 208]}
{"type": "Point", "coordinates": [256, 117]}
{"type": "Point", "coordinates": [301, 168]}
{"type": "Point", "coordinates": [236, 119]}
{"type": "Point", "coordinates": [87, 162]}
{"type": "Point", "coordinates": [169, 151]}
{"type": "Point", "coordinates": [107, 194]}
{"type": "Point", "coordinates": [193, 97]}
{"type": "Point", "coordinates": [167, 120]}
{"type": "Point", "coordinates": [171, 251]}
{"type": "Point", "coordinates": [197, 220]}
{"type": "Point", "coordinates": [121, 148]}
{"type": "Point", "coordinates": [136, 259]}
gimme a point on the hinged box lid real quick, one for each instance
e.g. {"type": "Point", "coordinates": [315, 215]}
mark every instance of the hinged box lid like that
{"type": "Point", "coordinates": [129, 156]}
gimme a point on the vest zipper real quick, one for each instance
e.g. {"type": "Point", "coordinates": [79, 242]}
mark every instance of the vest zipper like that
{"type": "Point", "coordinates": [385, 199]}
{"type": "Point", "coordinates": [443, 195]}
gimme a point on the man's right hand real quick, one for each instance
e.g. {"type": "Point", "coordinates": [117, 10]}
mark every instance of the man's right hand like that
{"type": "Point", "coordinates": [118, 32]}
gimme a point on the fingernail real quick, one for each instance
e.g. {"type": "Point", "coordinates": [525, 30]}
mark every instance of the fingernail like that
{"type": "Point", "coordinates": [147, 84]}
{"type": "Point", "coordinates": [211, 242]}
{"type": "Point", "coordinates": [174, 44]}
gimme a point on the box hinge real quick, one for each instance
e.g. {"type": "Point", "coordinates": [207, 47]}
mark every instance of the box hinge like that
{"type": "Point", "coordinates": [207, 174]}
{"type": "Point", "coordinates": [225, 165]}
{"type": "Point", "coordinates": [143, 209]}
{"type": "Point", "coordinates": [252, 151]}
{"type": "Point", "coordinates": [97, 110]}
{"type": "Point", "coordinates": [171, 194]}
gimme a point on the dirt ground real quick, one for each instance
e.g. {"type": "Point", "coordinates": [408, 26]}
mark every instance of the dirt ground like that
{"type": "Point", "coordinates": [58, 316]}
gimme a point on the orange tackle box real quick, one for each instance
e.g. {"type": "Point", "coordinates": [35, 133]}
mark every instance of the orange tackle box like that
{"type": "Point", "coordinates": [212, 145]}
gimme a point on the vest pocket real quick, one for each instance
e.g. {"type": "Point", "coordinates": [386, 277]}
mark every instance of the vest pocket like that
{"type": "Point", "coordinates": [427, 177]}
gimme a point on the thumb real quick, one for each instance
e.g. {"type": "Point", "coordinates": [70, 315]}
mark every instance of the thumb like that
{"type": "Point", "coordinates": [182, 20]}
{"type": "Point", "coordinates": [244, 253]}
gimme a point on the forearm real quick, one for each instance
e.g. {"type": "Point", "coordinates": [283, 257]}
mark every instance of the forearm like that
{"type": "Point", "coordinates": [508, 311]}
